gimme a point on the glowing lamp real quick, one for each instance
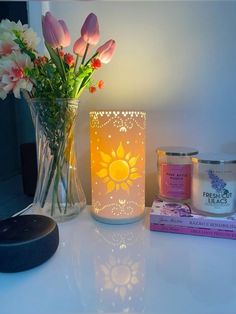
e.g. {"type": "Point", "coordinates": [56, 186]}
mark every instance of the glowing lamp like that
{"type": "Point", "coordinates": [117, 143]}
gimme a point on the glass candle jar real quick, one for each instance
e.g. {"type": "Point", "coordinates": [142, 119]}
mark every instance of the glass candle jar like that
{"type": "Point", "coordinates": [174, 167]}
{"type": "Point", "coordinates": [214, 184]}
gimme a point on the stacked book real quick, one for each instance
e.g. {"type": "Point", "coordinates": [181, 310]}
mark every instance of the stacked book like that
{"type": "Point", "coordinates": [180, 218]}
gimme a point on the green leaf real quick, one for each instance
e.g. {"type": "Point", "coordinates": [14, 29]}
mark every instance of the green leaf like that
{"type": "Point", "coordinates": [56, 59]}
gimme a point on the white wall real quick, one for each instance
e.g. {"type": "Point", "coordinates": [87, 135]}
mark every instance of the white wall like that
{"type": "Point", "coordinates": [175, 60]}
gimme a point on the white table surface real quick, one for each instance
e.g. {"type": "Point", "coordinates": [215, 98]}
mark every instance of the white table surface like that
{"type": "Point", "coordinates": [101, 268]}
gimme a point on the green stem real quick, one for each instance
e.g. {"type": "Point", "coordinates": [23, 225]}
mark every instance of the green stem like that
{"type": "Point", "coordinates": [85, 53]}
{"type": "Point", "coordinates": [58, 203]}
{"type": "Point", "coordinates": [76, 63]}
{"type": "Point", "coordinates": [65, 186]}
{"type": "Point", "coordinates": [56, 167]}
{"type": "Point", "coordinates": [62, 64]}
{"type": "Point", "coordinates": [54, 193]}
{"type": "Point", "coordinates": [83, 84]}
{"type": "Point", "coordinates": [77, 88]}
{"type": "Point", "coordinates": [93, 56]}
{"type": "Point", "coordinates": [72, 201]}
{"type": "Point", "coordinates": [67, 189]}
{"type": "Point", "coordinates": [49, 181]}
{"type": "Point", "coordinates": [57, 189]}
{"type": "Point", "coordinates": [56, 158]}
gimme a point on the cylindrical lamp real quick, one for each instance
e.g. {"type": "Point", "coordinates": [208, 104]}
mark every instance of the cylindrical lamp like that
{"type": "Point", "coordinates": [117, 143]}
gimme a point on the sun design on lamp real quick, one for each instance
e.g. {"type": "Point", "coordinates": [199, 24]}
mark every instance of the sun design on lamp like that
{"type": "Point", "coordinates": [118, 169]}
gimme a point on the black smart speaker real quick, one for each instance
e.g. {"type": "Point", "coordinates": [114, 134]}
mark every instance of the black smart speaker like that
{"type": "Point", "coordinates": [27, 241]}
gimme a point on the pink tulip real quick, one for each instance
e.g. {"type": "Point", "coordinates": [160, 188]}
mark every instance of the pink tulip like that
{"type": "Point", "coordinates": [90, 30]}
{"type": "Point", "coordinates": [67, 39]}
{"type": "Point", "coordinates": [55, 32]}
{"type": "Point", "coordinates": [106, 51]}
{"type": "Point", "coordinates": [79, 47]}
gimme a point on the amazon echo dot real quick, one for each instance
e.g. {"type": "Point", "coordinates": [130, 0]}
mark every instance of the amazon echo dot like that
{"type": "Point", "coordinates": [27, 241]}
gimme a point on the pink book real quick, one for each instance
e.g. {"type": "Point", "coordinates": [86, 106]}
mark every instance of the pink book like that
{"type": "Point", "coordinates": [177, 214]}
{"type": "Point", "coordinates": [194, 231]}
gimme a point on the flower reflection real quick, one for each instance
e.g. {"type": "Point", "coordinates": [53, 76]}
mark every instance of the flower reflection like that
{"type": "Point", "coordinates": [120, 275]}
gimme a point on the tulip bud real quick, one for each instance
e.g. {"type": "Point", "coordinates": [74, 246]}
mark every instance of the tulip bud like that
{"type": "Point", "coordinates": [67, 39]}
{"type": "Point", "coordinates": [106, 51]}
{"type": "Point", "coordinates": [90, 30]}
{"type": "Point", "coordinates": [55, 32]}
{"type": "Point", "coordinates": [80, 47]}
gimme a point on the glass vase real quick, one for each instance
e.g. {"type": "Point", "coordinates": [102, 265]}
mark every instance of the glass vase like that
{"type": "Point", "coordinates": [59, 193]}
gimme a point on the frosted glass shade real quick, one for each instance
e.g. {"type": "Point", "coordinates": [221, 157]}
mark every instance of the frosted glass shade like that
{"type": "Point", "coordinates": [117, 143]}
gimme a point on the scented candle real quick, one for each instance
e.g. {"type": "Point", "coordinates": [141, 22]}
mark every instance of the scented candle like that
{"type": "Point", "coordinates": [174, 167]}
{"type": "Point", "coordinates": [214, 184]}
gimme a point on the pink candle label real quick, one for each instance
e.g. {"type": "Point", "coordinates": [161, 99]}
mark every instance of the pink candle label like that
{"type": "Point", "coordinates": [175, 181]}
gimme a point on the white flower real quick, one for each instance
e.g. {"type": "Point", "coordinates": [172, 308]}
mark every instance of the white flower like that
{"type": "Point", "coordinates": [26, 34]}
{"type": "Point", "coordinates": [7, 44]}
{"type": "Point", "coordinates": [9, 26]}
{"type": "Point", "coordinates": [12, 74]}
{"type": "Point", "coordinates": [30, 38]}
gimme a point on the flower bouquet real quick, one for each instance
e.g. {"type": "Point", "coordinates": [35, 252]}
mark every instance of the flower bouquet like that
{"type": "Point", "coordinates": [52, 86]}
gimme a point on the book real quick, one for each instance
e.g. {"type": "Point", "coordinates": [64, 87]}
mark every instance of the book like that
{"type": "Point", "coordinates": [227, 234]}
{"type": "Point", "coordinates": [177, 214]}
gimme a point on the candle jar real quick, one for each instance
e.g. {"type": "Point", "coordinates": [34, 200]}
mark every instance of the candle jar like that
{"type": "Point", "coordinates": [214, 184]}
{"type": "Point", "coordinates": [174, 167]}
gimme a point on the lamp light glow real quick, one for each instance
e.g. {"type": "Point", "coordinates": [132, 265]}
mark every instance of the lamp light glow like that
{"type": "Point", "coordinates": [117, 143]}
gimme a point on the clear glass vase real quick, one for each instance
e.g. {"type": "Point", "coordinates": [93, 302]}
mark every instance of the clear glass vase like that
{"type": "Point", "coordinates": [59, 193]}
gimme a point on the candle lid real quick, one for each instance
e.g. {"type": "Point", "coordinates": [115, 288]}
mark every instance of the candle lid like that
{"type": "Point", "coordinates": [176, 151]}
{"type": "Point", "coordinates": [214, 159]}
